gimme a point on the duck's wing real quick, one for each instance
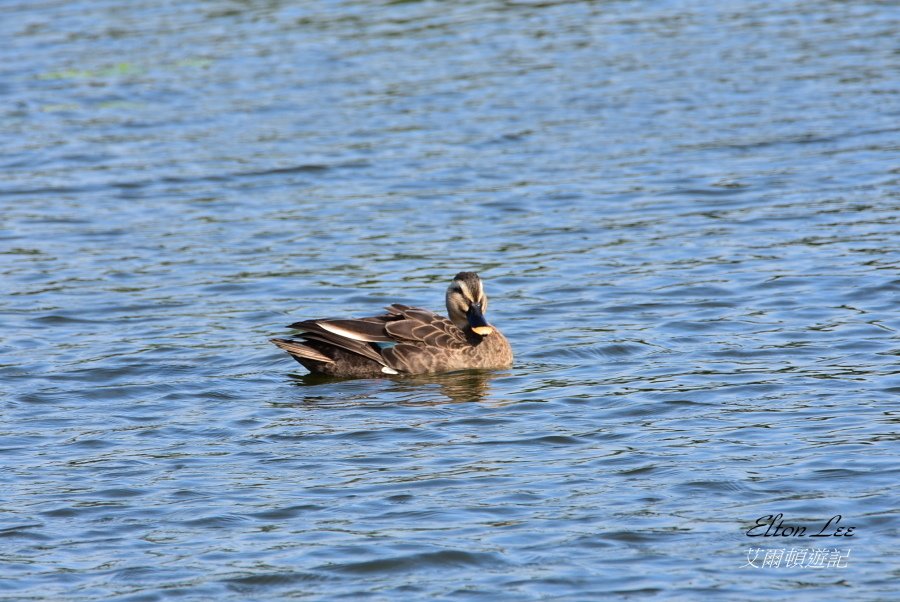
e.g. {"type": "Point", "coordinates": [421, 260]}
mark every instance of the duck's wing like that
{"type": "Point", "coordinates": [369, 330]}
{"type": "Point", "coordinates": [406, 339]}
{"type": "Point", "coordinates": [424, 339]}
{"type": "Point", "coordinates": [356, 336]}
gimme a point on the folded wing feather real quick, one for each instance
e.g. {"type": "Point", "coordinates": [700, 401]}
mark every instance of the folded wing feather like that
{"type": "Point", "coordinates": [419, 335]}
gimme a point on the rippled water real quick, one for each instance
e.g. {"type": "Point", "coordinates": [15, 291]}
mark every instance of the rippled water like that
{"type": "Point", "coordinates": [686, 217]}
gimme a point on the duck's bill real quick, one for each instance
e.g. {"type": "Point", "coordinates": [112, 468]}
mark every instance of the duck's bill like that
{"type": "Point", "coordinates": [477, 322]}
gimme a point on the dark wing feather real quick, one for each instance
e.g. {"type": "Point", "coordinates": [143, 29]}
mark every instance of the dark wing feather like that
{"type": "Point", "coordinates": [370, 330]}
{"type": "Point", "coordinates": [315, 331]}
{"type": "Point", "coordinates": [423, 340]}
{"type": "Point", "coordinates": [366, 326]}
{"type": "Point", "coordinates": [426, 330]}
{"type": "Point", "coordinates": [401, 330]}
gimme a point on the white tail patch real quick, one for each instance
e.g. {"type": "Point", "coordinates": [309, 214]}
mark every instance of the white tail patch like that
{"type": "Point", "coordinates": [387, 370]}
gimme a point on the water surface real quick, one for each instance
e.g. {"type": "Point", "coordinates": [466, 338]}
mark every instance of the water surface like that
{"type": "Point", "coordinates": [686, 218]}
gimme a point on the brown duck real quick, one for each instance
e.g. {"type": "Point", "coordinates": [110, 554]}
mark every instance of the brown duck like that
{"type": "Point", "coordinates": [406, 340]}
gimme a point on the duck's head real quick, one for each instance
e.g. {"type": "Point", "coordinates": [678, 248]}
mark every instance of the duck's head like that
{"type": "Point", "coordinates": [467, 303]}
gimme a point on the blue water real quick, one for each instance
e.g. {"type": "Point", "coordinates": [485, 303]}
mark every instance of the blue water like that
{"type": "Point", "coordinates": [686, 217]}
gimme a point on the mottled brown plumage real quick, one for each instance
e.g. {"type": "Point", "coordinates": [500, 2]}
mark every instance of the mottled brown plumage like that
{"type": "Point", "coordinates": [406, 340]}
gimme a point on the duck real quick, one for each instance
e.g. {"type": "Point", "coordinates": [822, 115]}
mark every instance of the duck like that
{"type": "Point", "coordinates": [406, 340]}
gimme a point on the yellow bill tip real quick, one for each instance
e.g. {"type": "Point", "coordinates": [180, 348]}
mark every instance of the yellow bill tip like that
{"type": "Point", "coordinates": [482, 330]}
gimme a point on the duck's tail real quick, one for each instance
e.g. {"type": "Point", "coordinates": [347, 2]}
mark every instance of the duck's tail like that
{"type": "Point", "coordinates": [300, 351]}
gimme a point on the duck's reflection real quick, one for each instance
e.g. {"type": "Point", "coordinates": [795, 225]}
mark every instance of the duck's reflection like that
{"type": "Point", "coordinates": [453, 387]}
